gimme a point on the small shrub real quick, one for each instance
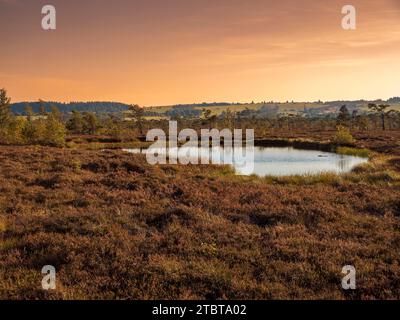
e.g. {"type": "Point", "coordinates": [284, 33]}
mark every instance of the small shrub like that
{"type": "Point", "coordinates": [343, 137]}
{"type": "Point", "coordinates": [55, 133]}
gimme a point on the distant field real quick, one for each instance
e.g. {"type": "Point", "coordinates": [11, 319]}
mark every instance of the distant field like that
{"type": "Point", "coordinates": [149, 118]}
{"type": "Point", "coordinates": [295, 107]}
{"type": "Point", "coordinates": [217, 110]}
{"type": "Point", "coordinates": [395, 107]}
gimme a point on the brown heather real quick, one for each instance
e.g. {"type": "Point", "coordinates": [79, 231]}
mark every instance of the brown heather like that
{"type": "Point", "coordinates": [116, 228]}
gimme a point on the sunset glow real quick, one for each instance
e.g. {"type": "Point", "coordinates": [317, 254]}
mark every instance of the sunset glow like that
{"type": "Point", "coordinates": [157, 52]}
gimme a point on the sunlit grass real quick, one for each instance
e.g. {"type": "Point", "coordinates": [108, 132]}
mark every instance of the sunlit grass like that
{"type": "Point", "coordinates": [375, 172]}
{"type": "Point", "coordinates": [364, 153]}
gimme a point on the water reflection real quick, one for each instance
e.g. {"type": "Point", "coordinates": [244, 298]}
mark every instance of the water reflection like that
{"type": "Point", "coordinates": [270, 161]}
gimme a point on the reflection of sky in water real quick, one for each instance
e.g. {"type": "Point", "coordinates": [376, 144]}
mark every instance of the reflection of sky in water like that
{"type": "Point", "coordinates": [269, 161]}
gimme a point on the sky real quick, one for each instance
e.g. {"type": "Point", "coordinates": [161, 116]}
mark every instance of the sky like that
{"type": "Point", "coordinates": [161, 52]}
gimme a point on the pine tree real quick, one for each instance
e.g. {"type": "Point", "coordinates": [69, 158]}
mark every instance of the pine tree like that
{"type": "Point", "coordinates": [29, 130]}
{"type": "Point", "coordinates": [29, 112]}
{"type": "Point", "coordinates": [42, 108]}
{"type": "Point", "coordinates": [90, 122]}
{"type": "Point", "coordinates": [5, 112]}
{"type": "Point", "coordinates": [343, 118]}
{"type": "Point", "coordinates": [137, 114]}
{"type": "Point", "coordinates": [55, 132]}
{"type": "Point", "coordinates": [381, 110]}
{"type": "Point", "coordinates": [76, 123]}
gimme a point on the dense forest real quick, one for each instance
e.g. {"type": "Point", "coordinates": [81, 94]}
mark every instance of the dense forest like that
{"type": "Point", "coordinates": [97, 107]}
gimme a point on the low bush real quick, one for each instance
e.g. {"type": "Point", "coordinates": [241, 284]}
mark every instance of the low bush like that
{"type": "Point", "coordinates": [343, 137]}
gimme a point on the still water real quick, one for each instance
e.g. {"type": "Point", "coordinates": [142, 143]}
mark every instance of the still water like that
{"type": "Point", "coordinates": [266, 161]}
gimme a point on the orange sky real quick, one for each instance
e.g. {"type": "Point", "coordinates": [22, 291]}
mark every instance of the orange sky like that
{"type": "Point", "coordinates": [155, 52]}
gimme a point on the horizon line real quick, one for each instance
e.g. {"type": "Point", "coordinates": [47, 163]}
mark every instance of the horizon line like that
{"type": "Point", "coordinates": [204, 102]}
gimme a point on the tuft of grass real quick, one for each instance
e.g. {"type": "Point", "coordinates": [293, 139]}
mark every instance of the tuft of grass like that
{"type": "Point", "coordinates": [71, 145]}
{"type": "Point", "coordinates": [226, 170]}
{"type": "Point", "coordinates": [3, 226]}
{"type": "Point", "coordinates": [76, 165]}
{"type": "Point", "coordinates": [363, 153]}
{"type": "Point", "coordinates": [306, 179]}
{"type": "Point", "coordinates": [8, 244]}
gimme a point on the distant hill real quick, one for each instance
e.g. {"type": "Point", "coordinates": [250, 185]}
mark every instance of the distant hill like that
{"type": "Point", "coordinates": [195, 110]}
{"type": "Point", "coordinates": [96, 107]}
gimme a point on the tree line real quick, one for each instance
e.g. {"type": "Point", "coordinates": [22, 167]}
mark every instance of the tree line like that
{"type": "Point", "coordinates": [47, 125]}
{"type": "Point", "coordinates": [48, 130]}
{"type": "Point", "coordinates": [95, 107]}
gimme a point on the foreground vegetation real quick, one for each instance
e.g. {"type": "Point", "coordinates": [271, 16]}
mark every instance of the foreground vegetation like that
{"type": "Point", "coordinates": [116, 228]}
